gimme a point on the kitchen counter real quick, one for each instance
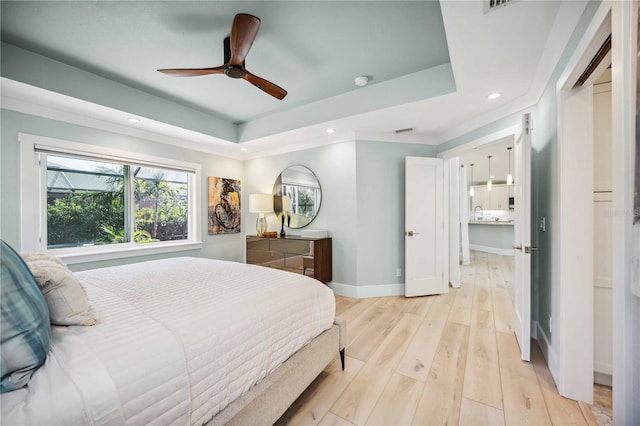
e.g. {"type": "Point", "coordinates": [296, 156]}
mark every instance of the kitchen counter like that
{"type": "Point", "coordinates": [491, 222]}
{"type": "Point", "coordinates": [491, 236]}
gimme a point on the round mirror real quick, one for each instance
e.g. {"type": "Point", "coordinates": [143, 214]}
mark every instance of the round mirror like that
{"type": "Point", "coordinates": [296, 196]}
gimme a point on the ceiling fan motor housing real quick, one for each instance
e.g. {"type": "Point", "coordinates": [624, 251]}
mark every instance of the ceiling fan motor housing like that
{"type": "Point", "coordinates": [234, 71]}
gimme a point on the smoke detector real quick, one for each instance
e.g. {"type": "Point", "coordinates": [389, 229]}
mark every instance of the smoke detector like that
{"type": "Point", "coordinates": [361, 80]}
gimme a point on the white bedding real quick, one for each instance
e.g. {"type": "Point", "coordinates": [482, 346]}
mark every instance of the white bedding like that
{"type": "Point", "coordinates": [177, 340]}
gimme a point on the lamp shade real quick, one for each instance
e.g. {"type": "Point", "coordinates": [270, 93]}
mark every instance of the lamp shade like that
{"type": "Point", "coordinates": [260, 203]}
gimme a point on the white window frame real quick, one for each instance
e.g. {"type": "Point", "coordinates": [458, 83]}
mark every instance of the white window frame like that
{"type": "Point", "coordinates": [33, 200]}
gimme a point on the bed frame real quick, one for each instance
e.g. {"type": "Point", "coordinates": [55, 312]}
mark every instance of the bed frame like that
{"type": "Point", "coordinates": [269, 399]}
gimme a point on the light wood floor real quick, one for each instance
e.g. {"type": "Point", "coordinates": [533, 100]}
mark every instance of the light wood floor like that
{"type": "Point", "coordinates": [447, 359]}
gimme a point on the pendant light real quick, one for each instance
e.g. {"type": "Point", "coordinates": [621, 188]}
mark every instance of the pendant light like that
{"type": "Point", "coordinates": [471, 191]}
{"type": "Point", "coordinates": [489, 183]}
{"type": "Point", "coordinates": [509, 176]}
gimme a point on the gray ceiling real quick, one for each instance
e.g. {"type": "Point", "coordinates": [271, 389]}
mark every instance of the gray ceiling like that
{"type": "Point", "coordinates": [431, 65]}
{"type": "Point", "coordinates": [313, 49]}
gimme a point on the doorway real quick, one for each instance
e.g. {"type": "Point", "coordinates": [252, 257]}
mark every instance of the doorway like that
{"type": "Point", "coordinates": [574, 344]}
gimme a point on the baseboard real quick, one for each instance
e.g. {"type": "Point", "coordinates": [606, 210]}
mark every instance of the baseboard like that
{"type": "Point", "coordinates": [603, 379]}
{"type": "Point", "coordinates": [547, 350]}
{"type": "Point", "coordinates": [366, 291]}
{"type": "Point", "coordinates": [492, 250]}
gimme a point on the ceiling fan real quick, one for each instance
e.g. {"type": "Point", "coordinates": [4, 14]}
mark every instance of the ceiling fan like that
{"type": "Point", "coordinates": [236, 47]}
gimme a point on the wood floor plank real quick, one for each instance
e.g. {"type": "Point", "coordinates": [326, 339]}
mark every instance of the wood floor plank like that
{"type": "Point", "coordinates": [343, 304]}
{"type": "Point", "coordinates": [352, 312]}
{"type": "Point", "coordinates": [457, 372]}
{"type": "Point", "coordinates": [442, 394]}
{"type": "Point", "coordinates": [482, 295]}
{"type": "Point", "coordinates": [331, 419]}
{"type": "Point", "coordinates": [496, 275]}
{"type": "Point", "coordinates": [474, 413]}
{"type": "Point", "coordinates": [364, 346]}
{"type": "Point", "coordinates": [464, 296]}
{"type": "Point", "coordinates": [446, 298]}
{"type": "Point", "coordinates": [482, 372]}
{"type": "Point", "coordinates": [417, 359]}
{"type": "Point", "coordinates": [315, 401]}
{"type": "Point", "coordinates": [523, 400]}
{"type": "Point", "coordinates": [397, 403]}
{"type": "Point", "coordinates": [362, 322]}
{"type": "Point", "coordinates": [562, 410]}
{"type": "Point", "coordinates": [358, 400]}
{"type": "Point", "coordinates": [503, 313]}
{"type": "Point", "coordinates": [420, 305]}
{"type": "Point", "coordinates": [509, 356]}
{"type": "Point", "coordinates": [460, 315]}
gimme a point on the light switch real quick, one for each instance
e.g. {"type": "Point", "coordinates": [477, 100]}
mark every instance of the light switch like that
{"type": "Point", "coordinates": [543, 224]}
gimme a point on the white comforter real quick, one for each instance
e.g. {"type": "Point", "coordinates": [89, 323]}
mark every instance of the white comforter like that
{"type": "Point", "coordinates": [177, 340]}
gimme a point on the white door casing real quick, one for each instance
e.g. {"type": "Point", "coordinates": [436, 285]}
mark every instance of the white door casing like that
{"type": "Point", "coordinates": [522, 238]}
{"type": "Point", "coordinates": [424, 227]}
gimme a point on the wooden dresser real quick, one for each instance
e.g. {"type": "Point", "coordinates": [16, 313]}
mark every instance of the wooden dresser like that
{"type": "Point", "coordinates": [308, 256]}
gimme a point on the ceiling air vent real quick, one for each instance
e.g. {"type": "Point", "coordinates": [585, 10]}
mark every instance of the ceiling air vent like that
{"type": "Point", "coordinates": [495, 4]}
{"type": "Point", "coordinates": [408, 129]}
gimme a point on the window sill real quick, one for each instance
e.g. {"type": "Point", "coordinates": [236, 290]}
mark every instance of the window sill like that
{"type": "Point", "coordinates": [96, 254]}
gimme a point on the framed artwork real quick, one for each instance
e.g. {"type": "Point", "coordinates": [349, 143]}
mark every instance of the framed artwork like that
{"type": "Point", "coordinates": [224, 205]}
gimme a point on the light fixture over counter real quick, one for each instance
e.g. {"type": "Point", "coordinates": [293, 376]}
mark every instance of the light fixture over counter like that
{"type": "Point", "coordinates": [471, 191]}
{"type": "Point", "coordinates": [509, 175]}
{"type": "Point", "coordinates": [489, 183]}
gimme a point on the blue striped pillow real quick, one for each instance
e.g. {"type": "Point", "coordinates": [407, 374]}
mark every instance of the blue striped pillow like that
{"type": "Point", "coordinates": [24, 324]}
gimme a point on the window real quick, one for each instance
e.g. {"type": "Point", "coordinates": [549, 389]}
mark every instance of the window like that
{"type": "Point", "coordinates": [92, 200]}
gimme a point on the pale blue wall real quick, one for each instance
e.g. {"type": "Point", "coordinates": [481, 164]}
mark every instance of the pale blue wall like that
{"type": "Point", "coordinates": [380, 168]}
{"type": "Point", "coordinates": [229, 247]}
{"type": "Point", "coordinates": [334, 165]}
{"type": "Point", "coordinates": [362, 203]}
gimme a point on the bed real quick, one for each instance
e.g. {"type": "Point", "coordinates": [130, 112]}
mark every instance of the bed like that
{"type": "Point", "coordinates": [183, 341]}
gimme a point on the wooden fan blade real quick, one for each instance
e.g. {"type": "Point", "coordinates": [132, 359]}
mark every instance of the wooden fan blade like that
{"type": "Point", "coordinates": [243, 33]}
{"type": "Point", "coordinates": [192, 72]}
{"type": "Point", "coordinates": [265, 85]}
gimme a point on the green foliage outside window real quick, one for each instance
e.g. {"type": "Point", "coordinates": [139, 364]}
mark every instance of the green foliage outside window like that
{"type": "Point", "coordinates": [79, 218]}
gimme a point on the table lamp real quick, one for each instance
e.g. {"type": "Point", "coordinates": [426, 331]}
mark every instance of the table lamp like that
{"type": "Point", "coordinates": [261, 203]}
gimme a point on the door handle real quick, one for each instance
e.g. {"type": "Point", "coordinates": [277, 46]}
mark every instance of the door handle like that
{"type": "Point", "coordinates": [519, 247]}
{"type": "Point", "coordinates": [411, 233]}
{"type": "Point", "coordinates": [529, 249]}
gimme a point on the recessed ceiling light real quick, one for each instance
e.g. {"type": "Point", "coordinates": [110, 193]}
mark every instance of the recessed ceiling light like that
{"type": "Point", "coordinates": [133, 120]}
{"type": "Point", "coordinates": [494, 95]}
{"type": "Point", "coordinates": [243, 149]}
{"type": "Point", "coordinates": [331, 130]}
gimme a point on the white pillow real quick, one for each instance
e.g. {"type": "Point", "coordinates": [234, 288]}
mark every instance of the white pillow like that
{"type": "Point", "coordinates": [65, 296]}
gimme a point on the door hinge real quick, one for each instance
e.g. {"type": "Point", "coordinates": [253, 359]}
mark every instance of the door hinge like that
{"type": "Point", "coordinates": [528, 123]}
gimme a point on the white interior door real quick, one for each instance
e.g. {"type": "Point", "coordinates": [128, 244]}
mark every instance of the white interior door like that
{"type": "Point", "coordinates": [522, 238]}
{"type": "Point", "coordinates": [424, 227]}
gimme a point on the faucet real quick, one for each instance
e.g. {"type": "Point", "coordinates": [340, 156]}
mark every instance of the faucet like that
{"type": "Point", "coordinates": [475, 213]}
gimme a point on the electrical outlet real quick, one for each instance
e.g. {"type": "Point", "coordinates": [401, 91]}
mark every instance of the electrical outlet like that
{"type": "Point", "coordinates": [550, 323]}
{"type": "Point", "coordinates": [399, 272]}
{"type": "Point", "coordinates": [543, 224]}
